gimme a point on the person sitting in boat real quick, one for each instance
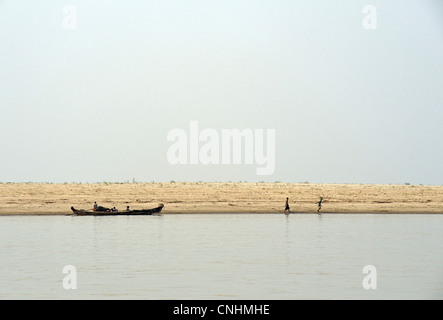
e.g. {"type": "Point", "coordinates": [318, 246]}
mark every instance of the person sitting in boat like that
{"type": "Point", "coordinates": [102, 209]}
{"type": "Point", "coordinates": [127, 209]}
{"type": "Point", "coordinates": [114, 210]}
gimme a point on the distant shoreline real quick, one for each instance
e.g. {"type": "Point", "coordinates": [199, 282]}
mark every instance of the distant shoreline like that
{"type": "Point", "coordinates": [221, 198]}
{"type": "Point", "coordinates": [49, 214]}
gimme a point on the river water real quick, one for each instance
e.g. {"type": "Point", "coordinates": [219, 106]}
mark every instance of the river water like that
{"type": "Point", "coordinates": [222, 256]}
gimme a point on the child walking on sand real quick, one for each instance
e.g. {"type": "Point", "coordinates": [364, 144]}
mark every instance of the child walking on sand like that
{"type": "Point", "coordinates": [319, 205]}
{"type": "Point", "coordinates": [287, 206]}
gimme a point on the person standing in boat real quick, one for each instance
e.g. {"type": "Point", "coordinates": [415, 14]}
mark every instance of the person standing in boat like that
{"type": "Point", "coordinates": [287, 206]}
{"type": "Point", "coordinates": [95, 206]}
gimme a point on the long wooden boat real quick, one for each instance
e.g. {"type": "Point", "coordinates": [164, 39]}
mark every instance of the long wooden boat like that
{"type": "Point", "coordinates": [142, 212]}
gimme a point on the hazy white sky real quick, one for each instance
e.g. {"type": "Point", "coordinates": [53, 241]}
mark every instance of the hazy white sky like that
{"type": "Point", "coordinates": [96, 103]}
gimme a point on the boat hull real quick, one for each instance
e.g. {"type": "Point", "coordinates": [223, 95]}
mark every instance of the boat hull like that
{"type": "Point", "coordinates": [143, 212]}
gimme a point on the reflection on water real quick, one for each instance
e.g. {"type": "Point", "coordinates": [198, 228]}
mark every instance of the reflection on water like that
{"type": "Point", "coordinates": [222, 256]}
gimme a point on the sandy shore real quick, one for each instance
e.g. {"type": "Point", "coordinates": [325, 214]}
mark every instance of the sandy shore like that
{"type": "Point", "coordinates": [41, 198]}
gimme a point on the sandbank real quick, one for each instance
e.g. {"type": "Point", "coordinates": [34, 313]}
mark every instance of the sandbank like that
{"type": "Point", "coordinates": [199, 197]}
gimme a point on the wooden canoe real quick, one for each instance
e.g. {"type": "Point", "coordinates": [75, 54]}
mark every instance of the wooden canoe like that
{"type": "Point", "coordinates": [142, 212]}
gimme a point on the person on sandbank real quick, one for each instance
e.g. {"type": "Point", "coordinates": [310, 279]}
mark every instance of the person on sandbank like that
{"type": "Point", "coordinates": [319, 204]}
{"type": "Point", "coordinates": [287, 206]}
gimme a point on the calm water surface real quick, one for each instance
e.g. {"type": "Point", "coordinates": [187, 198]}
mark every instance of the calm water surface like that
{"type": "Point", "coordinates": [217, 256]}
